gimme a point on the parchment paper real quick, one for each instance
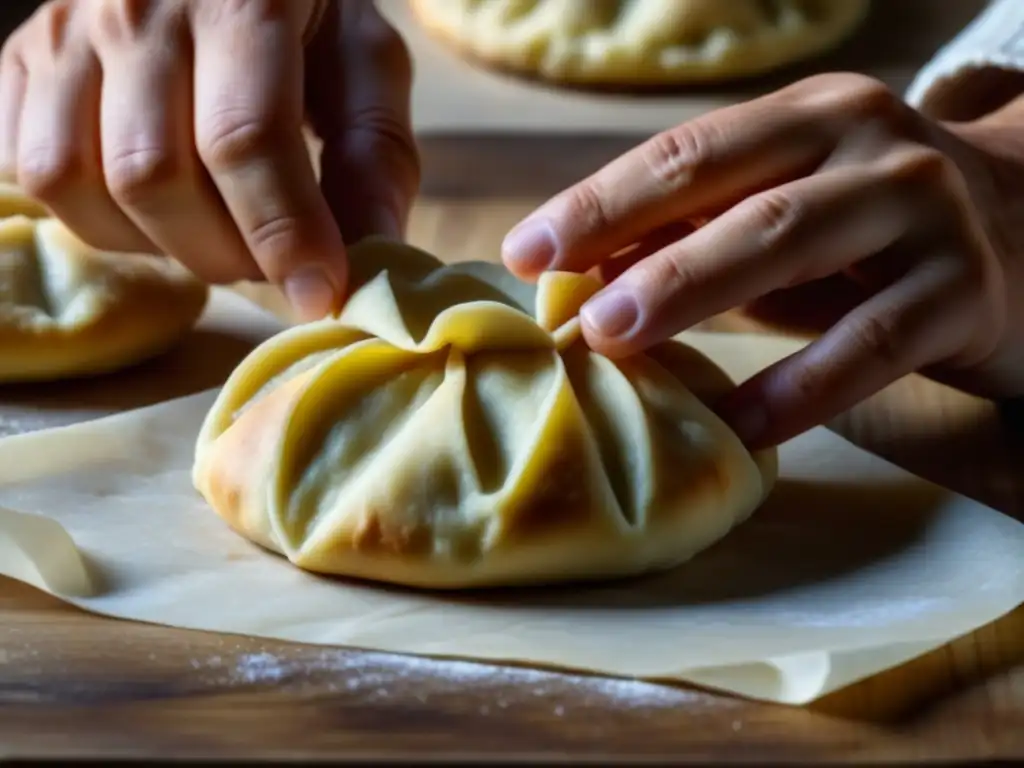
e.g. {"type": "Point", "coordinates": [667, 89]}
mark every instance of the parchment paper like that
{"type": "Point", "coordinates": [853, 566]}
{"type": "Point", "coordinates": [452, 97]}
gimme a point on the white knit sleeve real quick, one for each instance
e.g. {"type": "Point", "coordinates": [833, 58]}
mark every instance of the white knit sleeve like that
{"type": "Point", "coordinates": [991, 46]}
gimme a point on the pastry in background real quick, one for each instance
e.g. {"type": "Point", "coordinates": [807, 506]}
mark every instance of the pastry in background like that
{"type": "Point", "coordinates": [640, 42]}
{"type": "Point", "coordinates": [68, 310]}
{"type": "Point", "coordinates": [14, 202]}
{"type": "Point", "coordinates": [450, 429]}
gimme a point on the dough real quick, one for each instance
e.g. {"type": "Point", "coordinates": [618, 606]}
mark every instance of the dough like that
{"type": "Point", "coordinates": [13, 202]}
{"type": "Point", "coordinates": [450, 429]}
{"type": "Point", "coordinates": [68, 310]}
{"type": "Point", "coordinates": [640, 42]}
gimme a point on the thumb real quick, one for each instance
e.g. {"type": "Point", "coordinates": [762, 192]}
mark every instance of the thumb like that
{"type": "Point", "coordinates": [359, 86]}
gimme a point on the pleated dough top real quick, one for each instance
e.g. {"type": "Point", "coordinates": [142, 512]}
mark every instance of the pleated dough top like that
{"type": "Point", "coordinates": [641, 41]}
{"type": "Point", "coordinates": [68, 310]}
{"type": "Point", "coordinates": [451, 429]}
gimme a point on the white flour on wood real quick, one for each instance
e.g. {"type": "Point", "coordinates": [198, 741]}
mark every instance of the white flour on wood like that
{"type": "Point", "coordinates": [382, 676]}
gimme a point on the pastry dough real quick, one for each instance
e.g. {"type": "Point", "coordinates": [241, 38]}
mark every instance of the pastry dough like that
{"type": "Point", "coordinates": [450, 429]}
{"type": "Point", "coordinates": [68, 310]}
{"type": "Point", "coordinates": [640, 42]}
{"type": "Point", "coordinates": [13, 202]}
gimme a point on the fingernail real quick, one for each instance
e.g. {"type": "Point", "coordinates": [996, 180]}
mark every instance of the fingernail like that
{"type": "Point", "coordinates": [749, 421]}
{"type": "Point", "coordinates": [311, 292]}
{"type": "Point", "coordinates": [530, 247]}
{"type": "Point", "coordinates": [612, 314]}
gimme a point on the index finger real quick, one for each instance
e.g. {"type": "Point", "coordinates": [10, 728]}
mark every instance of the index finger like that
{"type": "Point", "coordinates": [248, 125]}
{"type": "Point", "coordinates": [694, 170]}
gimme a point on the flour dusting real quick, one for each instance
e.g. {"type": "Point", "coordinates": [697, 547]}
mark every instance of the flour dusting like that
{"type": "Point", "coordinates": [380, 676]}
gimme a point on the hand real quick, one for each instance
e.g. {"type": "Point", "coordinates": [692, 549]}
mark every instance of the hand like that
{"type": "Point", "coordinates": [907, 236]}
{"type": "Point", "coordinates": [176, 126]}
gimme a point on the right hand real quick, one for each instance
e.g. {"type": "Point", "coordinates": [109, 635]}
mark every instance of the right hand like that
{"type": "Point", "coordinates": [904, 234]}
{"type": "Point", "coordinates": [175, 126]}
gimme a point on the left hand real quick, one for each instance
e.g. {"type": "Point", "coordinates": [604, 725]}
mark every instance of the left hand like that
{"type": "Point", "coordinates": [906, 234]}
{"type": "Point", "coordinates": [176, 127]}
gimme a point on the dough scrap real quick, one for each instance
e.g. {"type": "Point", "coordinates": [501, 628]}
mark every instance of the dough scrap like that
{"type": "Point", "coordinates": [451, 429]}
{"type": "Point", "coordinates": [640, 42]}
{"type": "Point", "coordinates": [68, 310]}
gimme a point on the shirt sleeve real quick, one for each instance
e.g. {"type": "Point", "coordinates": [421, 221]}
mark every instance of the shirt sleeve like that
{"type": "Point", "coordinates": [984, 63]}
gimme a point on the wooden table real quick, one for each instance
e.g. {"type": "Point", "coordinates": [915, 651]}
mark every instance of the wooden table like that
{"type": "Point", "coordinates": [77, 685]}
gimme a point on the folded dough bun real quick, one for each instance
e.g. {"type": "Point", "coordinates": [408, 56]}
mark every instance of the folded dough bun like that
{"type": "Point", "coordinates": [14, 202]}
{"type": "Point", "coordinates": [640, 42]}
{"type": "Point", "coordinates": [68, 310]}
{"type": "Point", "coordinates": [450, 429]}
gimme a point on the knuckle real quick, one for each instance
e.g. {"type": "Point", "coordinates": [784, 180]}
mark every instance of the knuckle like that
{"type": "Point", "coordinates": [378, 137]}
{"type": "Point", "coordinates": [854, 95]}
{"type": "Point", "coordinates": [924, 169]}
{"type": "Point", "coordinates": [11, 50]}
{"type": "Point", "coordinates": [49, 28]}
{"type": "Point", "coordinates": [44, 173]}
{"type": "Point", "coordinates": [673, 156]}
{"type": "Point", "coordinates": [118, 21]}
{"type": "Point", "coordinates": [880, 335]}
{"type": "Point", "coordinates": [222, 12]}
{"type": "Point", "coordinates": [865, 95]}
{"type": "Point", "coordinates": [586, 203]}
{"type": "Point", "coordinates": [775, 216]}
{"type": "Point", "coordinates": [234, 137]}
{"type": "Point", "coordinates": [274, 240]}
{"type": "Point", "coordinates": [674, 272]}
{"type": "Point", "coordinates": [133, 176]}
{"type": "Point", "coordinates": [803, 381]}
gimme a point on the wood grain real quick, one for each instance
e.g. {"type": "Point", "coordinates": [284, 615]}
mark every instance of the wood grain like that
{"type": "Point", "coordinates": [73, 684]}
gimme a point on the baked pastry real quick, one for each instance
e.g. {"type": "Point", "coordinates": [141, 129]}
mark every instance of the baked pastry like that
{"type": "Point", "coordinates": [450, 429]}
{"type": "Point", "coordinates": [640, 42]}
{"type": "Point", "coordinates": [68, 310]}
{"type": "Point", "coordinates": [13, 202]}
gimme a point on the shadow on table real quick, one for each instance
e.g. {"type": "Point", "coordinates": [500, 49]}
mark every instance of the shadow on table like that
{"type": "Point", "coordinates": [945, 688]}
{"type": "Point", "coordinates": [805, 534]}
{"type": "Point", "coordinates": [979, 455]}
{"type": "Point", "coordinates": [973, 450]}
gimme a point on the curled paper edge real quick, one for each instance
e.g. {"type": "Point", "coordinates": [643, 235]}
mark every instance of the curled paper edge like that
{"type": "Point", "coordinates": [39, 552]}
{"type": "Point", "coordinates": [803, 678]}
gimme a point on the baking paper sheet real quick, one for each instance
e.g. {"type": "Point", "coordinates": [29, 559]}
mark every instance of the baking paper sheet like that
{"type": "Point", "coordinates": [851, 567]}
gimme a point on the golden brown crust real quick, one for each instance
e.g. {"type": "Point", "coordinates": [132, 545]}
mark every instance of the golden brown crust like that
{"type": "Point", "coordinates": [129, 308]}
{"type": "Point", "coordinates": [369, 464]}
{"type": "Point", "coordinates": [249, 445]}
